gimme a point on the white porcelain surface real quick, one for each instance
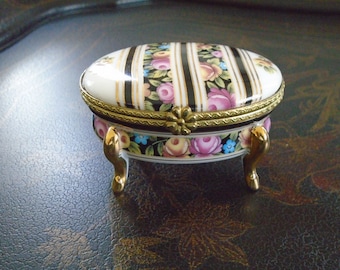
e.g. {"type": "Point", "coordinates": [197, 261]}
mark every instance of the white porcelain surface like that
{"type": "Point", "coordinates": [206, 77]}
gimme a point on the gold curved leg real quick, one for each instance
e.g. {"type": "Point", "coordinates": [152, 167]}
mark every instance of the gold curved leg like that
{"type": "Point", "coordinates": [259, 146]}
{"type": "Point", "coordinates": [112, 152]}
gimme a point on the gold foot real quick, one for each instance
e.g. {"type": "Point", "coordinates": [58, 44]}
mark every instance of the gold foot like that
{"type": "Point", "coordinates": [112, 152]}
{"type": "Point", "coordinates": [259, 146]}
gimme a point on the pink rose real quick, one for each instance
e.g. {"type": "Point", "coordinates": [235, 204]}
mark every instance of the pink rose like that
{"type": "Point", "coordinates": [161, 63]}
{"type": "Point", "coordinates": [205, 146]}
{"type": "Point", "coordinates": [165, 92]}
{"type": "Point", "coordinates": [267, 124]}
{"type": "Point", "coordinates": [210, 71]}
{"type": "Point", "coordinates": [245, 138]}
{"type": "Point", "coordinates": [176, 147]}
{"type": "Point", "coordinates": [220, 99]}
{"type": "Point", "coordinates": [100, 126]}
{"type": "Point", "coordinates": [161, 54]}
{"type": "Point", "coordinates": [217, 54]}
{"type": "Point", "coordinates": [124, 139]}
{"type": "Point", "coordinates": [147, 91]}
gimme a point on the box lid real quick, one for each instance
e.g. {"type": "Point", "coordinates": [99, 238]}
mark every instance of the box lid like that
{"type": "Point", "coordinates": [182, 87]}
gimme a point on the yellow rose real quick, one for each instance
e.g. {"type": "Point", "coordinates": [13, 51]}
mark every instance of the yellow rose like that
{"type": "Point", "coordinates": [210, 71]}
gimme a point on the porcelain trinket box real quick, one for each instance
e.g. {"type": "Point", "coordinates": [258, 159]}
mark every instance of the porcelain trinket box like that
{"type": "Point", "coordinates": [182, 103]}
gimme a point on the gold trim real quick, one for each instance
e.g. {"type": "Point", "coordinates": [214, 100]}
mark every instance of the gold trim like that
{"type": "Point", "coordinates": [198, 120]}
{"type": "Point", "coordinates": [259, 146]}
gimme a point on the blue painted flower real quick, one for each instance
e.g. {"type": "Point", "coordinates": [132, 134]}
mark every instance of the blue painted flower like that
{"type": "Point", "coordinates": [164, 46]}
{"type": "Point", "coordinates": [229, 146]}
{"type": "Point", "coordinates": [143, 139]}
{"type": "Point", "coordinates": [223, 66]}
{"type": "Point", "coordinates": [146, 72]}
{"type": "Point", "coordinates": [148, 52]}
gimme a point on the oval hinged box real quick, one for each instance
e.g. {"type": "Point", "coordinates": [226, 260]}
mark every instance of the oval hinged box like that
{"type": "Point", "coordinates": [182, 103]}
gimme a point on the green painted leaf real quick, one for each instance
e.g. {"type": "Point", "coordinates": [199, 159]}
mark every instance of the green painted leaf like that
{"type": "Point", "coordinates": [211, 85]}
{"type": "Point", "coordinates": [160, 148]}
{"type": "Point", "coordinates": [207, 56]}
{"type": "Point", "coordinates": [153, 95]}
{"type": "Point", "coordinates": [269, 69]}
{"type": "Point", "coordinates": [224, 136]}
{"type": "Point", "coordinates": [149, 151]}
{"type": "Point", "coordinates": [214, 61]}
{"type": "Point", "coordinates": [238, 147]}
{"type": "Point", "coordinates": [165, 107]}
{"type": "Point", "coordinates": [233, 136]}
{"type": "Point", "coordinates": [220, 82]}
{"type": "Point", "coordinates": [153, 138]}
{"type": "Point", "coordinates": [225, 75]}
{"type": "Point", "coordinates": [147, 56]}
{"type": "Point", "coordinates": [158, 74]}
{"type": "Point", "coordinates": [167, 79]}
{"type": "Point", "coordinates": [230, 88]}
{"type": "Point", "coordinates": [134, 148]}
{"type": "Point", "coordinates": [155, 83]}
{"type": "Point", "coordinates": [148, 106]}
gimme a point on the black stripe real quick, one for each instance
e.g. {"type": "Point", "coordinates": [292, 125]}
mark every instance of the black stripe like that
{"type": "Point", "coordinates": [187, 76]}
{"type": "Point", "coordinates": [244, 75]}
{"type": "Point", "coordinates": [128, 84]}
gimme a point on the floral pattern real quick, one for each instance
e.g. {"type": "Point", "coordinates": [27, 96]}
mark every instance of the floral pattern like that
{"type": "Point", "coordinates": [203, 232]}
{"type": "Point", "coordinates": [177, 146]}
{"type": "Point", "coordinates": [159, 94]}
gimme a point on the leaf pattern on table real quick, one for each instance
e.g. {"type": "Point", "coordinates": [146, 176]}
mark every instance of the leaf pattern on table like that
{"type": "Point", "coordinates": [135, 250]}
{"type": "Point", "coordinates": [321, 98]}
{"type": "Point", "coordinates": [328, 180]}
{"type": "Point", "coordinates": [304, 159]}
{"type": "Point", "coordinates": [205, 230]}
{"type": "Point", "coordinates": [165, 183]}
{"type": "Point", "coordinates": [67, 248]}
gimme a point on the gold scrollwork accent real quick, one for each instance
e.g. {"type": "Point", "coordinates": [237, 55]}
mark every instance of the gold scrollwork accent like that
{"type": "Point", "coordinates": [181, 121]}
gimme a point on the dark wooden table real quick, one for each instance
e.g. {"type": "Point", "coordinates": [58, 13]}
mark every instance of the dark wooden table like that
{"type": "Point", "coordinates": [57, 210]}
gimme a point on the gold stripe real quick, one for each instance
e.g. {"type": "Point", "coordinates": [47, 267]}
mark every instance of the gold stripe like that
{"type": "Point", "coordinates": [117, 86]}
{"type": "Point", "coordinates": [134, 77]}
{"type": "Point", "coordinates": [140, 73]}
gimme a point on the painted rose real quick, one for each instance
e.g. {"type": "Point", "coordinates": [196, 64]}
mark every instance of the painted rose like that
{"type": "Point", "coordinates": [209, 72]}
{"type": "Point", "coordinates": [220, 99]}
{"type": "Point", "coordinates": [205, 146]}
{"type": "Point", "coordinates": [176, 147]}
{"type": "Point", "coordinates": [161, 54]}
{"type": "Point", "coordinates": [262, 62]}
{"type": "Point", "coordinates": [161, 63]}
{"type": "Point", "coordinates": [244, 138]}
{"type": "Point", "coordinates": [100, 126]}
{"type": "Point", "coordinates": [202, 46]}
{"type": "Point", "coordinates": [217, 54]}
{"type": "Point", "coordinates": [124, 139]}
{"type": "Point", "coordinates": [267, 124]}
{"type": "Point", "coordinates": [165, 92]}
{"type": "Point", "coordinates": [146, 88]}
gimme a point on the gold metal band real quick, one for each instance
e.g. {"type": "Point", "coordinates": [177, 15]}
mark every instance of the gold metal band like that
{"type": "Point", "coordinates": [183, 120]}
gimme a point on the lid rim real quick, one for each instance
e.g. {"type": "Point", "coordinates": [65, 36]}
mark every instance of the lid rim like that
{"type": "Point", "coordinates": [205, 120]}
